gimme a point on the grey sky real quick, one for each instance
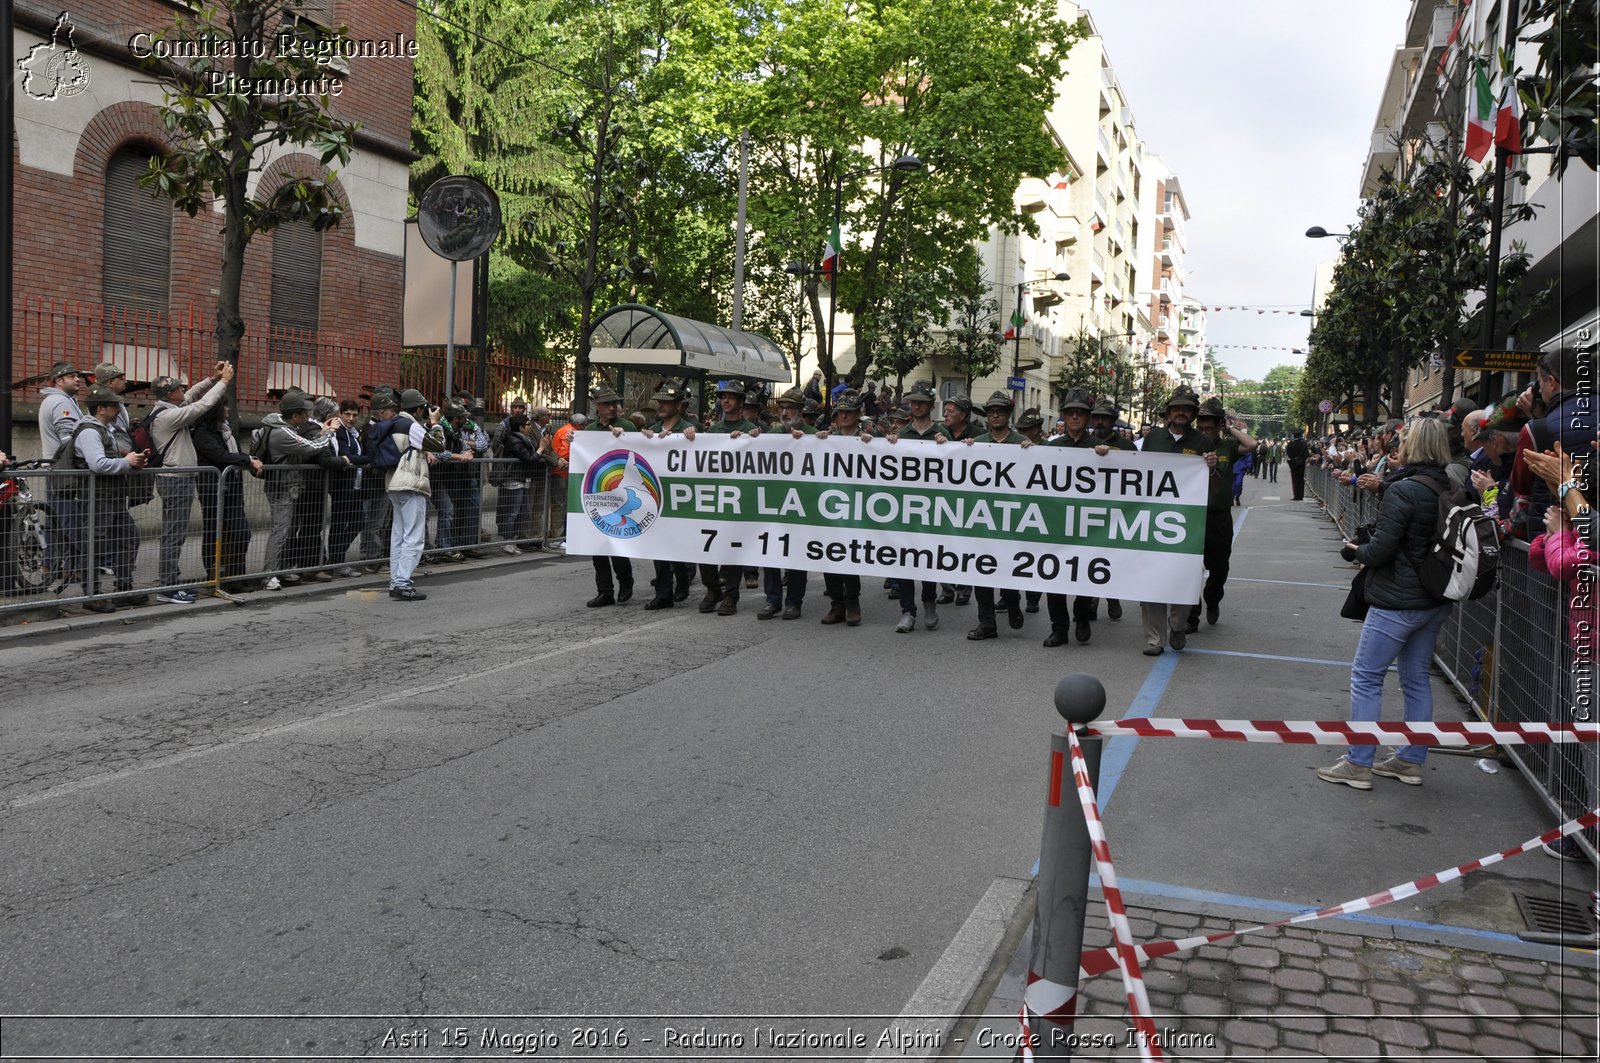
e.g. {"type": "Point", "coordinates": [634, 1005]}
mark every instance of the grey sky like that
{"type": "Point", "coordinates": [1264, 108]}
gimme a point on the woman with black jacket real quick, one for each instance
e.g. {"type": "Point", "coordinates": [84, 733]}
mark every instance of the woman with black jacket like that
{"type": "Point", "coordinates": [1403, 623]}
{"type": "Point", "coordinates": [215, 446]}
{"type": "Point", "coordinates": [511, 509]}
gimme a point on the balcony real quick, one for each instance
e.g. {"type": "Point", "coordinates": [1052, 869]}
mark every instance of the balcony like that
{"type": "Point", "coordinates": [1103, 142]}
{"type": "Point", "coordinates": [1097, 267]}
{"type": "Point", "coordinates": [1102, 213]}
{"type": "Point", "coordinates": [1031, 195]}
{"type": "Point", "coordinates": [1059, 200]}
{"type": "Point", "coordinates": [1167, 291]}
{"type": "Point", "coordinates": [1163, 328]}
{"type": "Point", "coordinates": [1168, 254]}
{"type": "Point", "coordinates": [1171, 223]}
{"type": "Point", "coordinates": [1383, 156]}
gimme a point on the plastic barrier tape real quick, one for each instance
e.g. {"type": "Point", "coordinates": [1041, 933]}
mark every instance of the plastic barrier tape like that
{"type": "Point", "coordinates": [1099, 961]}
{"type": "Point", "coordinates": [1343, 732]}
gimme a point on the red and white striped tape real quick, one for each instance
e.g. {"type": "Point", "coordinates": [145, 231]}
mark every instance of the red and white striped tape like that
{"type": "Point", "coordinates": [1099, 961]}
{"type": "Point", "coordinates": [1344, 732]}
{"type": "Point", "coordinates": [1126, 954]}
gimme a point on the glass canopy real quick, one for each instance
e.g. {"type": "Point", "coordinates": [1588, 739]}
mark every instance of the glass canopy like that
{"type": "Point", "coordinates": [633, 336]}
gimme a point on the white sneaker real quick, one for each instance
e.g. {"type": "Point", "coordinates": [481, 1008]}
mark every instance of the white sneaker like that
{"type": "Point", "coordinates": [509, 550]}
{"type": "Point", "coordinates": [908, 622]}
{"type": "Point", "coordinates": [273, 584]}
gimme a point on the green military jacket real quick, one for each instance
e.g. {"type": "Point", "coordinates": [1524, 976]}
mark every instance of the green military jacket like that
{"type": "Point", "coordinates": [661, 428]}
{"type": "Point", "coordinates": [1088, 439]}
{"type": "Point", "coordinates": [1011, 436]}
{"type": "Point", "coordinates": [723, 428]}
{"type": "Point", "coordinates": [596, 426]}
{"type": "Point", "coordinates": [936, 430]}
{"type": "Point", "coordinates": [1194, 441]}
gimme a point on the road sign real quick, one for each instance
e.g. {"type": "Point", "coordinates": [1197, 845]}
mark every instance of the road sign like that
{"type": "Point", "coordinates": [1498, 361]}
{"type": "Point", "coordinates": [1016, 383]}
{"type": "Point", "coordinates": [1326, 405]}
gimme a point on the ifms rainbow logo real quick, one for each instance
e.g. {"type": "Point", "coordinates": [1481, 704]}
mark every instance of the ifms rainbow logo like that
{"type": "Point", "coordinates": [622, 494]}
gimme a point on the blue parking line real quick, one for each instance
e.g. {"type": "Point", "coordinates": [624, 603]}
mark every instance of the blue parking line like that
{"type": "Point", "coordinates": [1271, 657]}
{"type": "Point", "coordinates": [1186, 893]}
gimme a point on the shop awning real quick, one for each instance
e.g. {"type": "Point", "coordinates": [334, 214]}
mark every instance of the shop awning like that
{"type": "Point", "coordinates": [632, 336]}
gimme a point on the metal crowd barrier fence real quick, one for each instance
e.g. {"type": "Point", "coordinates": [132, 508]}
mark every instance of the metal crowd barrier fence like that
{"type": "Point", "coordinates": [179, 531]}
{"type": "Point", "coordinates": [1508, 656]}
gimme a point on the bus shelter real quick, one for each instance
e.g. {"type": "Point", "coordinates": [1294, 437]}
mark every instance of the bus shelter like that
{"type": "Point", "coordinates": [636, 337]}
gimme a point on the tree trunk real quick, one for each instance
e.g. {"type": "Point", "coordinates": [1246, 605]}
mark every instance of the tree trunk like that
{"type": "Point", "coordinates": [824, 341]}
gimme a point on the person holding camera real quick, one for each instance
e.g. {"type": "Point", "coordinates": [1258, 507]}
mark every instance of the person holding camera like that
{"type": "Point", "coordinates": [116, 538]}
{"type": "Point", "coordinates": [281, 443]}
{"type": "Point", "coordinates": [416, 437]}
{"type": "Point", "coordinates": [178, 409]}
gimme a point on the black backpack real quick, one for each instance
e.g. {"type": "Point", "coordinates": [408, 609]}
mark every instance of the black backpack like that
{"type": "Point", "coordinates": [1463, 560]}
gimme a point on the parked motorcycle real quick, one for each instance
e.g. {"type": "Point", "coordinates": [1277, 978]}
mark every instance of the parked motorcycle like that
{"type": "Point", "coordinates": [25, 528]}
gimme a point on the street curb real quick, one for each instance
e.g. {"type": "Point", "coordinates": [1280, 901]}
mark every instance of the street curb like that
{"type": "Point", "coordinates": [958, 977]}
{"type": "Point", "coordinates": [90, 622]}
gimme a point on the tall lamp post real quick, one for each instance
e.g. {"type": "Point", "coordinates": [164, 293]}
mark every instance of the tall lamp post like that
{"type": "Point", "coordinates": [904, 164]}
{"type": "Point", "coordinates": [800, 272]}
{"type": "Point", "coordinates": [1017, 319]}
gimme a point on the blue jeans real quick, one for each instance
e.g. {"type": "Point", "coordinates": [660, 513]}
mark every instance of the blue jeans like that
{"type": "Point", "coordinates": [406, 534]}
{"type": "Point", "coordinates": [1394, 636]}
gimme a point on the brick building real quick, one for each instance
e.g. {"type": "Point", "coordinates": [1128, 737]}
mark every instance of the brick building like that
{"type": "Point", "coordinates": [106, 272]}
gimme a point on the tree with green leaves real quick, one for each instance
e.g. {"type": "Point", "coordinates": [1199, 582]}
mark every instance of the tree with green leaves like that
{"type": "Point", "coordinates": [488, 111]}
{"type": "Point", "coordinates": [1559, 98]}
{"type": "Point", "coordinates": [972, 340]}
{"type": "Point", "coordinates": [833, 92]}
{"type": "Point", "coordinates": [223, 119]}
{"type": "Point", "coordinates": [1400, 287]}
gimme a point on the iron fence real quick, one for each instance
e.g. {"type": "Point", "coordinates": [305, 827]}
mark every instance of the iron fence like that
{"type": "Point", "coordinates": [70, 537]}
{"type": "Point", "coordinates": [1508, 655]}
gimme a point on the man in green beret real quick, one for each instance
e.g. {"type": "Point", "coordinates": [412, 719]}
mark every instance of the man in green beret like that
{"type": "Point", "coordinates": [785, 588]}
{"type": "Point", "coordinates": [1165, 621]}
{"type": "Point", "coordinates": [1231, 440]}
{"type": "Point", "coordinates": [997, 416]}
{"type": "Point", "coordinates": [672, 577]}
{"type": "Point", "coordinates": [722, 581]}
{"type": "Point", "coordinates": [918, 424]}
{"type": "Point", "coordinates": [844, 591]}
{"type": "Point", "coordinates": [608, 418]}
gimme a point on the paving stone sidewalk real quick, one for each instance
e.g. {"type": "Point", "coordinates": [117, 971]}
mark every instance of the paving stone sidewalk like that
{"type": "Point", "coordinates": [1313, 992]}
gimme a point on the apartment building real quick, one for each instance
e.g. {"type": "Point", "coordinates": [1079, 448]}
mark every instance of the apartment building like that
{"type": "Point", "coordinates": [1111, 218]}
{"type": "Point", "coordinates": [106, 272]}
{"type": "Point", "coordinates": [1423, 109]}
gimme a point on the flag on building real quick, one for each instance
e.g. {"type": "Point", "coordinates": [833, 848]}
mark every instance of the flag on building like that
{"type": "Point", "coordinates": [1508, 120]}
{"type": "Point", "coordinates": [1480, 116]}
{"type": "Point", "coordinates": [1017, 321]}
{"type": "Point", "coordinates": [830, 256]}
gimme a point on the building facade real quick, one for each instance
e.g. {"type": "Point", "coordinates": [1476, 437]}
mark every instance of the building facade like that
{"type": "Point", "coordinates": [1423, 110]}
{"type": "Point", "coordinates": [106, 272]}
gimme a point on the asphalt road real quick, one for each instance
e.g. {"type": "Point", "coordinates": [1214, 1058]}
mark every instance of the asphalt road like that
{"type": "Point", "coordinates": [501, 803]}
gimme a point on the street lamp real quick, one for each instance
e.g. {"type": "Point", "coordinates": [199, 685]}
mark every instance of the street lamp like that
{"type": "Point", "coordinates": [1317, 232]}
{"type": "Point", "coordinates": [1016, 321]}
{"type": "Point", "coordinates": [907, 163]}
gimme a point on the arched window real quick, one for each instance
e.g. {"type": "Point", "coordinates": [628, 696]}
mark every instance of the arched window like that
{"type": "Point", "coordinates": [136, 270]}
{"type": "Point", "coordinates": [296, 289]}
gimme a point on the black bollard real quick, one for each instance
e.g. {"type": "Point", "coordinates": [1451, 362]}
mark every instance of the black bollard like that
{"type": "Point", "coordinates": [1065, 858]}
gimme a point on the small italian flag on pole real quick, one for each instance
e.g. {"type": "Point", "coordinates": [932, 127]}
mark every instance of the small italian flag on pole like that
{"type": "Point", "coordinates": [830, 257]}
{"type": "Point", "coordinates": [1017, 321]}
{"type": "Point", "coordinates": [1508, 120]}
{"type": "Point", "coordinates": [1480, 117]}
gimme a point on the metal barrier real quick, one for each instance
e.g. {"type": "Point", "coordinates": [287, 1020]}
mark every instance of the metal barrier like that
{"type": "Point", "coordinates": [177, 531]}
{"type": "Point", "coordinates": [1508, 656]}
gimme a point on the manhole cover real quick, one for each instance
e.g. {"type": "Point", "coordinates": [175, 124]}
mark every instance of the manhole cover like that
{"type": "Point", "coordinates": [1554, 916]}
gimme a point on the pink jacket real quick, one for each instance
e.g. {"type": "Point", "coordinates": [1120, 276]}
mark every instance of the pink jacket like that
{"type": "Point", "coordinates": [1561, 556]}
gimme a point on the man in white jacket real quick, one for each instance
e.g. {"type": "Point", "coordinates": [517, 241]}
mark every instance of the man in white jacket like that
{"type": "Point", "coordinates": [178, 409]}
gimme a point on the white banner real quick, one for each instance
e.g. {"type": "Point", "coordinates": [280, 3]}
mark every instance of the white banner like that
{"type": "Point", "coordinates": [1065, 520]}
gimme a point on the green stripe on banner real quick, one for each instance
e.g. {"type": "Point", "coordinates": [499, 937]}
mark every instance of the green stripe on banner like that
{"type": "Point", "coordinates": [1047, 520]}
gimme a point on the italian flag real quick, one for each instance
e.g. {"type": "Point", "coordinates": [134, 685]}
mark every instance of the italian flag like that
{"type": "Point", "coordinates": [1017, 321]}
{"type": "Point", "coordinates": [1508, 120]}
{"type": "Point", "coordinates": [1480, 117]}
{"type": "Point", "coordinates": [830, 256]}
